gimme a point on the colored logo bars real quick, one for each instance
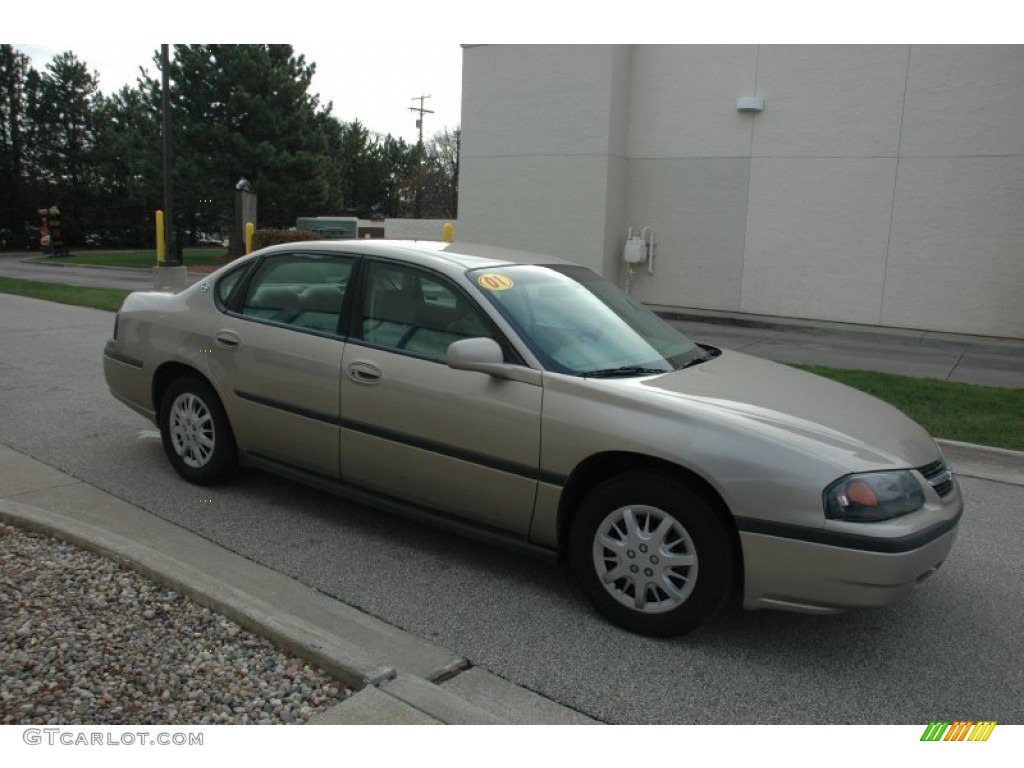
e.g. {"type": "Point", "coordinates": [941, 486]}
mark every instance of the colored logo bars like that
{"type": "Point", "coordinates": [960, 730]}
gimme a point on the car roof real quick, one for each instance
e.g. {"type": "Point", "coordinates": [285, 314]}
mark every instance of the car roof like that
{"type": "Point", "coordinates": [453, 256]}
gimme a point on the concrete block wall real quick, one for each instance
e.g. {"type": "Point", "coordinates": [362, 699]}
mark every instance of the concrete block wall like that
{"type": "Point", "coordinates": [881, 185]}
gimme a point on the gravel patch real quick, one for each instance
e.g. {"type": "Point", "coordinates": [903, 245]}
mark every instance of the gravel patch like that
{"type": "Point", "coordinates": [85, 640]}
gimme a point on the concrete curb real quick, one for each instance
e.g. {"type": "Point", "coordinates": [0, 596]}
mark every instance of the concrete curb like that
{"type": "Point", "coordinates": [44, 261]}
{"type": "Point", "coordinates": [371, 706]}
{"type": "Point", "coordinates": [985, 462]}
{"type": "Point", "coordinates": [437, 702]}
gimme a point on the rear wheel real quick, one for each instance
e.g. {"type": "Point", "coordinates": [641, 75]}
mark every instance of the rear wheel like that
{"type": "Point", "coordinates": [196, 435]}
{"type": "Point", "coordinates": [651, 553]}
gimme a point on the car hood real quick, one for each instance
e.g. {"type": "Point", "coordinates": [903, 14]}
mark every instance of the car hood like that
{"type": "Point", "coordinates": [801, 403]}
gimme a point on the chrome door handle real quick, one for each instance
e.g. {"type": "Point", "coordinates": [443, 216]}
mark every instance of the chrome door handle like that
{"type": "Point", "coordinates": [364, 373]}
{"type": "Point", "coordinates": [227, 339]}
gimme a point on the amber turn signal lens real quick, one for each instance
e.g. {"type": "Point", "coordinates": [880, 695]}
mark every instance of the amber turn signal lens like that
{"type": "Point", "coordinates": [862, 494]}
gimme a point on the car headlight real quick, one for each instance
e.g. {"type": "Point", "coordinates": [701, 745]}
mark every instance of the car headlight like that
{"type": "Point", "coordinates": [873, 496]}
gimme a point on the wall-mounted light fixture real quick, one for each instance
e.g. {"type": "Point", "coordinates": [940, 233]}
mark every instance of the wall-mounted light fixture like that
{"type": "Point", "coordinates": [750, 104]}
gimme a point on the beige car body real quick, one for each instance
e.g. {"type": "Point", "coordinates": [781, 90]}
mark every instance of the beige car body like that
{"type": "Point", "coordinates": [507, 455]}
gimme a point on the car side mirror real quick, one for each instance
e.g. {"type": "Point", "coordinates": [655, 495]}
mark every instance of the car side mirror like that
{"type": "Point", "coordinates": [484, 355]}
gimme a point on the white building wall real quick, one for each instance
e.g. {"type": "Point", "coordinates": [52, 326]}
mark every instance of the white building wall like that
{"type": "Point", "coordinates": [956, 256]}
{"type": "Point", "coordinates": [880, 185]}
{"type": "Point", "coordinates": [543, 148]}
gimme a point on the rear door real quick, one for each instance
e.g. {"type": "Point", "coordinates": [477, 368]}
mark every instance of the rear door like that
{"type": "Point", "coordinates": [413, 428]}
{"type": "Point", "coordinates": [277, 356]}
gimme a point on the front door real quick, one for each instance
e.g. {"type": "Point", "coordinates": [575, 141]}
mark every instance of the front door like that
{"type": "Point", "coordinates": [411, 427]}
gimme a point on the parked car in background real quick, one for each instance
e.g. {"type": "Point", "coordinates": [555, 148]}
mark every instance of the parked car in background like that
{"type": "Point", "coordinates": [104, 239]}
{"type": "Point", "coordinates": [26, 239]}
{"type": "Point", "coordinates": [525, 400]}
{"type": "Point", "coordinates": [207, 239]}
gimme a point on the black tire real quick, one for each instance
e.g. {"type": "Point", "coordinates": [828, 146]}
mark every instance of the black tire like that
{"type": "Point", "coordinates": [196, 435]}
{"type": "Point", "coordinates": [665, 540]}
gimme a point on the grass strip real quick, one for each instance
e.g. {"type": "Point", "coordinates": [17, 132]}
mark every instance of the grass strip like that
{"type": "Point", "coordinates": [207, 257]}
{"type": "Point", "coordinates": [82, 296]}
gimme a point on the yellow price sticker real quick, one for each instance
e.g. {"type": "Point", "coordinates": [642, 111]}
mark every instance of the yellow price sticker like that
{"type": "Point", "coordinates": [493, 282]}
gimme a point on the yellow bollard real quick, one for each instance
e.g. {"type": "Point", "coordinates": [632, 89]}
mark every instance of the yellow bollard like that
{"type": "Point", "coordinates": [249, 229]}
{"type": "Point", "coordinates": [159, 237]}
{"type": "Point", "coordinates": [448, 232]}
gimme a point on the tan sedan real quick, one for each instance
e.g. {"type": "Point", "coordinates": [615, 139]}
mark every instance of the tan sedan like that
{"type": "Point", "coordinates": [525, 400]}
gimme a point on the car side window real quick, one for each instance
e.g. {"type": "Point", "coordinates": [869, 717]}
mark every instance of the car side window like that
{"type": "Point", "coordinates": [417, 312]}
{"type": "Point", "coordinates": [301, 290]}
{"type": "Point", "coordinates": [226, 285]}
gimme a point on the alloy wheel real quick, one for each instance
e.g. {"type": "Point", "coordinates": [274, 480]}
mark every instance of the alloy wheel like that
{"type": "Point", "coordinates": [192, 430]}
{"type": "Point", "coordinates": [645, 559]}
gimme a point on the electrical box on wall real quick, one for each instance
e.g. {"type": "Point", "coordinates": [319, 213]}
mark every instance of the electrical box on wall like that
{"type": "Point", "coordinates": [635, 251]}
{"type": "Point", "coordinates": [750, 104]}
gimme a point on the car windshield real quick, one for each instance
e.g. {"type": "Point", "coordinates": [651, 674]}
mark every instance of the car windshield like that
{"type": "Point", "coordinates": [577, 322]}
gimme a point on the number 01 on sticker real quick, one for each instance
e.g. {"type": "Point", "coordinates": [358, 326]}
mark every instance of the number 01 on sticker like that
{"type": "Point", "coordinates": [493, 282]}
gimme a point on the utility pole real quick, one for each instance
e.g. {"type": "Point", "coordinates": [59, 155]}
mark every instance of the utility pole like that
{"type": "Point", "coordinates": [170, 273]}
{"type": "Point", "coordinates": [421, 110]}
{"type": "Point", "coordinates": [418, 199]}
{"type": "Point", "coordinates": [171, 244]}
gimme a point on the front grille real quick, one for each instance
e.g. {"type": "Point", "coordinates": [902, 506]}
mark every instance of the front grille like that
{"type": "Point", "coordinates": [940, 477]}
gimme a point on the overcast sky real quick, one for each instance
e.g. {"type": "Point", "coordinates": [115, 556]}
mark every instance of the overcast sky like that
{"type": "Point", "coordinates": [375, 84]}
{"type": "Point", "coordinates": [373, 58]}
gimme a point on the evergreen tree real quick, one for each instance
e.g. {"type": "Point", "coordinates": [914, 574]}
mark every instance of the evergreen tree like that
{"type": "Point", "coordinates": [63, 140]}
{"type": "Point", "coordinates": [15, 208]}
{"type": "Point", "coordinates": [128, 161]}
{"type": "Point", "coordinates": [244, 111]}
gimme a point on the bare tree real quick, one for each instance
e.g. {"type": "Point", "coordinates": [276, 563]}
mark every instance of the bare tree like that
{"type": "Point", "coordinates": [440, 169]}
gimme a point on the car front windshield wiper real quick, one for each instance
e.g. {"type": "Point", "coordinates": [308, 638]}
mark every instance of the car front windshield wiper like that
{"type": "Point", "coordinates": [696, 361]}
{"type": "Point", "coordinates": [624, 370]}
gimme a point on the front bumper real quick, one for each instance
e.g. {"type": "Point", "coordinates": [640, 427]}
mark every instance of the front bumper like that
{"type": "Point", "coordinates": [831, 574]}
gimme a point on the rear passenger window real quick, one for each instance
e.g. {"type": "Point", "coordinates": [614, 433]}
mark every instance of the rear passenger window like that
{"type": "Point", "coordinates": [303, 291]}
{"type": "Point", "coordinates": [226, 285]}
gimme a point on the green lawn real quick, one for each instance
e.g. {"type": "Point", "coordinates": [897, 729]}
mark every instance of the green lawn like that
{"type": "Point", "coordinates": [97, 298]}
{"type": "Point", "coordinates": [970, 413]}
{"type": "Point", "coordinates": [144, 259]}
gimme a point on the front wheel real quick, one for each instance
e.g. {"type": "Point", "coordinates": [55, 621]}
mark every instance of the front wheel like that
{"type": "Point", "coordinates": [196, 435]}
{"type": "Point", "coordinates": [651, 553]}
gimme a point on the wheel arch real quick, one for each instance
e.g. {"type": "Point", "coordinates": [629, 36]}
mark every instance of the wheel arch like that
{"type": "Point", "coordinates": [169, 372]}
{"type": "Point", "coordinates": [596, 469]}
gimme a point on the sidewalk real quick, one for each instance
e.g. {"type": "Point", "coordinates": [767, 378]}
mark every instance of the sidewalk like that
{"type": "Point", "coordinates": [991, 361]}
{"type": "Point", "coordinates": [399, 678]}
